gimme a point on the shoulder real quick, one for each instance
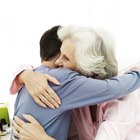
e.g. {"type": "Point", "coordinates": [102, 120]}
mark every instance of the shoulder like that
{"type": "Point", "coordinates": [59, 73]}
{"type": "Point", "coordinates": [63, 73]}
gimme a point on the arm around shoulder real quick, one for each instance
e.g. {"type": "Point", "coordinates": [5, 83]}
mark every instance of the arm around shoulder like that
{"type": "Point", "coordinates": [17, 82]}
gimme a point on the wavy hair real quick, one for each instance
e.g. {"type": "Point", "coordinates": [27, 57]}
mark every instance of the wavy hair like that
{"type": "Point", "coordinates": [95, 54]}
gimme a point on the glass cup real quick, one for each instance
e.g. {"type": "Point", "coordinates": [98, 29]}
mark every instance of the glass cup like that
{"type": "Point", "coordinates": [4, 113]}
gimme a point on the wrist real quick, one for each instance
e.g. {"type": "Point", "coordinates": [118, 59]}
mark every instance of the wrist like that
{"type": "Point", "coordinates": [23, 76]}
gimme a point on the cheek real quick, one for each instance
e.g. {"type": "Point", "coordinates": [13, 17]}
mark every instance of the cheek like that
{"type": "Point", "coordinates": [72, 66]}
{"type": "Point", "coordinates": [67, 65]}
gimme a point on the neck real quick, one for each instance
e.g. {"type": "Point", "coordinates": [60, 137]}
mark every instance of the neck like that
{"type": "Point", "coordinates": [48, 63]}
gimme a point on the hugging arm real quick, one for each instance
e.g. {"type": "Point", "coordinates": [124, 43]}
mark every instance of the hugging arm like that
{"type": "Point", "coordinates": [100, 90]}
{"type": "Point", "coordinates": [29, 131]}
{"type": "Point", "coordinates": [118, 122]}
{"type": "Point", "coordinates": [37, 85]}
{"type": "Point", "coordinates": [112, 89]}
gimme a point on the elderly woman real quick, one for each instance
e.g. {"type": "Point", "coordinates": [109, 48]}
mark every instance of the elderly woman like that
{"type": "Point", "coordinates": [91, 53]}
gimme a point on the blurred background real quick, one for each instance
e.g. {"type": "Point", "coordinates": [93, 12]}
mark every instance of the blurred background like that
{"type": "Point", "coordinates": [22, 22]}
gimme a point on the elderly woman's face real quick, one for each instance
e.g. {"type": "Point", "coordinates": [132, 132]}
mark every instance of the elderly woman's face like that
{"type": "Point", "coordinates": [67, 57]}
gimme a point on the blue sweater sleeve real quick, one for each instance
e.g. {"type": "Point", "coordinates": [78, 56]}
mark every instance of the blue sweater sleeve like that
{"type": "Point", "coordinates": [77, 91]}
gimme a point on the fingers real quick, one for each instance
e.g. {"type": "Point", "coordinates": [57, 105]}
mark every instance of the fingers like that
{"type": "Point", "coordinates": [17, 124]}
{"type": "Point", "coordinates": [52, 97]}
{"type": "Point", "coordinates": [16, 127]}
{"type": "Point", "coordinates": [51, 91]}
{"type": "Point", "coordinates": [46, 101]}
{"type": "Point", "coordinates": [16, 133]}
{"type": "Point", "coordinates": [21, 134]}
{"type": "Point", "coordinates": [46, 97]}
{"type": "Point", "coordinates": [52, 79]}
{"type": "Point", "coordinates": [31, 119]}
{"type": "Point", "coordinates": [52, 94]}
{"type": "Point", "coordinates": [13, 138]}
{"type": "Point", "coordinates": [40, 102]}
{"type": "Point", "coordinates": [18, 121]}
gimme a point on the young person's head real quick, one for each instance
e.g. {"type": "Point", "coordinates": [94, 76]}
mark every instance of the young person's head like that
{"type": "Point", "coordinates": [87, 51]}
{"type": "Point", "coordinates": [50, 44]}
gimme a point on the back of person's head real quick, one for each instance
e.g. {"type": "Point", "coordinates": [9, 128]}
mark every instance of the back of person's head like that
{"type": "Point", "coordinates": [50, 44]}
{"type": "Point", "coordinates": [95, 55]}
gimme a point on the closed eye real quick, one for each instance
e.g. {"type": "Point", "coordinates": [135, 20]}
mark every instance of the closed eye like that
{"type": "Point", "coordinates": [66, 58]}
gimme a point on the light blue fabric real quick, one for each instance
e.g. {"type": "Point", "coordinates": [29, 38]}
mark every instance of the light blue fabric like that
{"type": "Point", "coordinates": [75, 91]}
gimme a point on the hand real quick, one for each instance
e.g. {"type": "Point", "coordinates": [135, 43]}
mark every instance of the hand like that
{"type": "Point", "coordinates": [29, 131]}
{"type": "Point", "coordinates": [39, 89]}
{"type": "Point", "coordinates": [134, 67]}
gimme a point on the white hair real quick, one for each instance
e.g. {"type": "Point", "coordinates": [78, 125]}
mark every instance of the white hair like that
{"type": "Point", "coordinates": [95, 55]}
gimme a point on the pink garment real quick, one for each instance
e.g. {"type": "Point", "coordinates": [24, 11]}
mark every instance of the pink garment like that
{"type": "Point", "coordinates": [121, 119]}
{"type": "Point", "coordinates": [116, 120]}
{"type": "Point", "coordinates": [85, 127]}
{"type": "Point", "coordinates": [16, 86]}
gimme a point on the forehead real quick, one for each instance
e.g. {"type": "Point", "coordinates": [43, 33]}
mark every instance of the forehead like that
{"type": "Point", "coordinates": [68, 47]}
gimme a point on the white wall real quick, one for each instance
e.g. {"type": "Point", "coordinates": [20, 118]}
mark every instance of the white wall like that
{"type": "Point", "coordinates": [23, 22]}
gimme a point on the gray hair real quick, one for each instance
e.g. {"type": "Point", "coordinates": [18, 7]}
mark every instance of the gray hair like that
{"type": "Point", "coordinates": [95, 54]}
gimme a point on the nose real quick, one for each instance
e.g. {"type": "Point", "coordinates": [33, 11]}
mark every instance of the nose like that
{"type": "Point", "coordinates": [58, 62]}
